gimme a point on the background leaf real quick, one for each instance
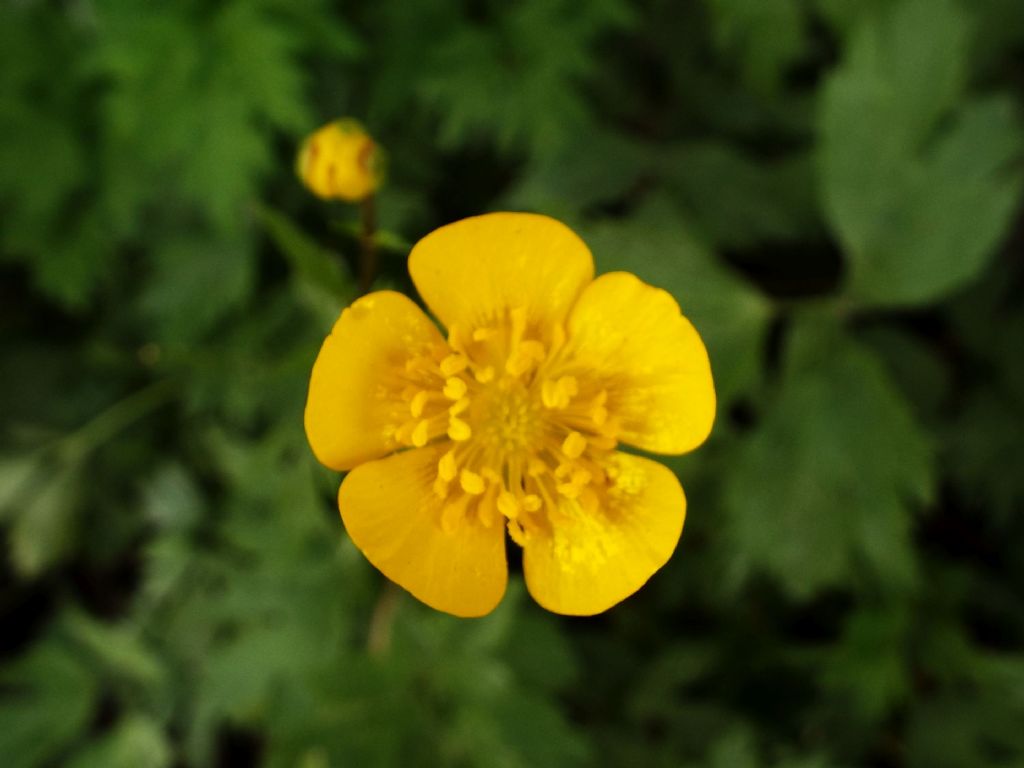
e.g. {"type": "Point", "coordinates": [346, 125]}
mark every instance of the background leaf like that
{"type": "Point", "coordinates": [918, 188]}
{"type": "Point", "coordinates": [830, 189]}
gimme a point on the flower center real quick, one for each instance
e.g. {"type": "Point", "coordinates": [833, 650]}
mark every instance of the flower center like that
{"type": "Point", "coordinates": [525, 435]}
{"type": "Point", "coordinates": [508, 415]}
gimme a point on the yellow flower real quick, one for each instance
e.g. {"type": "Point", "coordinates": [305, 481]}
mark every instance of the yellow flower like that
{"type": "Point", "coordinates": [340, 162]}
{"type": "Point", "coordinates": [512, 423]}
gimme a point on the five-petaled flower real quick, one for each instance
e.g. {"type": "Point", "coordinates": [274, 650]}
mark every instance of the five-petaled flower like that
{"type": "Point", "coordinates": [340, 161]}
{"type": "Point", "coordinates": [512, 422]}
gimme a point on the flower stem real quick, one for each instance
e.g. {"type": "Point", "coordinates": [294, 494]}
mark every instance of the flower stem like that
{"type": "Point", "coordinates": [378, 639]}
{"type": "Point", "coordinates": [117, 417]}
{"type": "Point", "coordinates": [367, 243]}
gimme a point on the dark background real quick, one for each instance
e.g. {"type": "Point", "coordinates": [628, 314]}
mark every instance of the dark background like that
{"type": "Point", "coordinates": [830, 188]}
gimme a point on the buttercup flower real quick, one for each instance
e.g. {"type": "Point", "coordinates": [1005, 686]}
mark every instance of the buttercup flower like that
{"type": "Point", "coordinates": [340, 162]}
{"type": "Point", "coordinates": [512, 422]}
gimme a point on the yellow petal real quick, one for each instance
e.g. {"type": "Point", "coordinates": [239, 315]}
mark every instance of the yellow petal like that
{"type": "Point", "coordinates": [444, 557]}
{"type": "Point", "coordinates": [473, 270]}
{"type": "Point", "coordinates": [349, 409]}
{"type": "Point", "coordinates": [650, 359]}
{"type": "Point", "coordinates": [592, 558]}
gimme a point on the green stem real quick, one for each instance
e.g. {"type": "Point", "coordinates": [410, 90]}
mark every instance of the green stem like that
{"type": "Point", "coordinates": [367, 244]}
{"type": "Point", "coordinates": [106, 424]}
{"type": "Point", "coordinates": [378, 639]}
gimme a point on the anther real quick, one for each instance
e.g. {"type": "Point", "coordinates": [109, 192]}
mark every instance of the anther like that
{"type": "Point", "coordinates": [507, 505]}
{"type": "Point", "coordinates": [455, 388]}
{"type": "Point", "coordinates": [516, 532]}
{"type": "Point", "coordinates": [524, 357]}
{"type": "Point", "coordinates": [447, 469]}
{"type": "Point", "coordinates": [419, 402]}
{"type": "Point", "coordinates": [471, 482]}
{"type": "Point", "coordinates": [458, 430]}
{"type": "Point", "coordinates": [421, 434]}
{"type": "Point", "coordinates": [574, 445]}
{"type": "Point", "coordinates": [453, 364]}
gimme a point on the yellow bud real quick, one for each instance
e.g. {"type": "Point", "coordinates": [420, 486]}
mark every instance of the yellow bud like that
{"type": "Point", "coordinates": [341, 161]}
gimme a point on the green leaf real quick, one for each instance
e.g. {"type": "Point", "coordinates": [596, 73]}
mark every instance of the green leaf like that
{"type": "Point", "coordinates": [47, 704]}
{"type": "Point", "coordinates": [568, 182]}
{"type": "Point", "coordinates": [919, 192]}
{"type": "Point", "coordinates": [192, 123]}
{"type": "Point", "coordinates": [730, 315]}
{"type": "Point", "coordinates": [43, 527]}
{"type": "Point", "coordinates": [870, 663]}
{"type": "Point", "coordinates": [736, 749]}
{"type": "Point", "coordinates": [519, 730]}
{"type": "Point", "coordinates": [846, 15]}
{"type": "Point", "coordinates": [979, 728]}
{"type": "Point", "coordinates": [828, 481]}
{"type": "Point", "coordinates": [763, 36]}
{"type": "Point", "coordinates": [136, 742]}
{"type": "Point", "coordinates": [321, 279]}
{"type": "Point", "coordinates": [171, 499]}
{"type": "Point", "coordinates": [983, 450]}
{"type": "Point", "coordinates": [15, 473]}
{"type": "Point", "coordinates": [116, 650]}
{"type": "Point", "coordinates": [544, 42]}
{"type": "Point", "coordinates": [196, 282]}
{"type": "Point", "coordinates": [753, 201]}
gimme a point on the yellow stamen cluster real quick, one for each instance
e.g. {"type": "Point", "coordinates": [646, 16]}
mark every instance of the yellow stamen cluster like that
{"type": "Point", "coordinates": [526, 431]}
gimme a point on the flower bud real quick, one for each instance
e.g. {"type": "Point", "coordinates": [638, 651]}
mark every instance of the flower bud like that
{"type": "Point", "coordinates": [341, 162]}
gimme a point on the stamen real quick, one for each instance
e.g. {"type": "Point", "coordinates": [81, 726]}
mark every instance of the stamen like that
{"type": "Point", "coordinates": [558, 394]}
{"type": "Point", "coordinates": [574, 445]}
{"type": "Point", "coordinates": [455, 388]}
{"type": "Point", "coordinates": [486, 511]}
{"type": "Point", "coordinates": [524, 357]}
{"type": "Point", "coordinates": [508, 505]}
{"type": "Point", "coordinates": [471, 482]}
{"type": "Point", "coordinates": [453, 364]}
{"type": "Point", "coordinates": [516, 532]}
{"type": "Point", "coordinates": [538, 435]}
{"type": "Point", "coordinates": [419, 402]}
{"type": "Point", "coordinates": [447, 469]}
{"type": "Point", "coordinates": [531, 502]}
{"type": "Point", "coordinates": [403, 434]}
{"type": "Point", "coordinates": [421, 433]}
{"type": "Point", "coordinates": [458, 430]}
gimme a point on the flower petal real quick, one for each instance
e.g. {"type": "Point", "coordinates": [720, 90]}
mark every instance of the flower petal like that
{"type": "Point", "coordinates": [592, 559]}
{"type": "Point", "coordinates": [471, 271]}
{"type": "Point", "coordinates": [349, 410]}
{"type": "Point", "coordinates": [393, 515]}
{"type": "Point", "coordinates": [651, 360]}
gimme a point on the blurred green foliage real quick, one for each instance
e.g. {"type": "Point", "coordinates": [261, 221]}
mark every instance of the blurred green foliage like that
{"type": "Point", "coordinates": [831, 189]}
